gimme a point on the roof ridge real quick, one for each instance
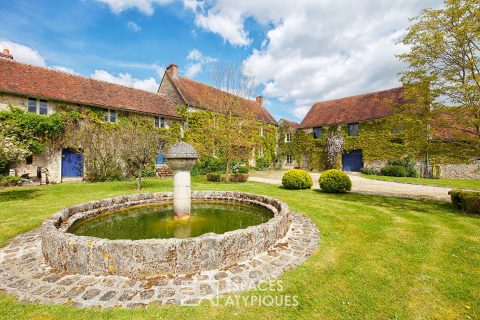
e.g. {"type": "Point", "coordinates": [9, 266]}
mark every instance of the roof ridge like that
{"type": "Point", "coordinates": [81, 76]}
{"type": "Point", "coordinates": [358, 95]}
{"type": "Point", "coordinates": [211, 86]}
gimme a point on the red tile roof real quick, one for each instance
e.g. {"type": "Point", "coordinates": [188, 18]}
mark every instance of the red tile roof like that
{"type": "Point", "coordinates": [290, 123]}
{"type": "Point", "coordinates": [201, 95]}
{"type": "Point", "coordinates": [358, 108]}
{"type": "Point", "coordinates": [29, 80]}
{"type": "Point", "coordinates": [453, 124]}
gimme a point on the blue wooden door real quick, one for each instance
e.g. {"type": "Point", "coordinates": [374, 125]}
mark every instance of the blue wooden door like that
{"type": "Point", "coordinates": [72, 164]}
{"type": "Point", "coordinates": [352, 161]}
{"type": "Point", "coordinates": [160, 159]}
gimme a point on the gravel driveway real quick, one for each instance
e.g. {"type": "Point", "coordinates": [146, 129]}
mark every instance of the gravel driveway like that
{"type": "Point", "coordinates": [367, 186]}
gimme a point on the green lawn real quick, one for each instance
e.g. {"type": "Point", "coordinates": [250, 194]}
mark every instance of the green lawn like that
{"type": "Point", "coordinates": [379, 257]}
{"type": "Point", "coordinates": [449, 183]}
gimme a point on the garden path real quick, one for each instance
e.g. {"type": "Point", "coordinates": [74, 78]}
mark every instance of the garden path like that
{"type": "Point", "coordinates": [367, 186]}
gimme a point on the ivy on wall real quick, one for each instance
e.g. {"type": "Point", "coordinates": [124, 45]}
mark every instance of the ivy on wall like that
{"type": "Point", "coordinates": [203, 126]}
{"type": "Point", "coordinates": [379, 142]}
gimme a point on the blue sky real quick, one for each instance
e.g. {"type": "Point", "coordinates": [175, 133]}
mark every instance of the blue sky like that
{"type": "Point", "coordinates": [298, 51]}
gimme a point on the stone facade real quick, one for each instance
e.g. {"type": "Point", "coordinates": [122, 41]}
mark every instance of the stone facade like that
{"type": "Point", "coordinates": [69, 253]}
{"type": "Point", "coordinates": [50, 161]}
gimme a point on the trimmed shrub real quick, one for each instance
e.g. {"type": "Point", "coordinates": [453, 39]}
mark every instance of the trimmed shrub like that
{"type": "Point", "coordinates": [335, 181]}
{"type": "Point", "coordinates": [467, 201]}
{"type": "Point", "coordinates": [242, 170]}
{"type": "Point", "coordinates": [370, 171]}
{"type": "Point", "coordinates": [408, 163]}
{"type": "Point", "coordinates": [206, 165]}
{"type": "Point", "coordinates": [393, 171]}
{"type": "Point", "coordinates": [261, 164]}
{"type": "Point", "coordinates": [297, 179]}
{"type": "Point", "coordinates": [214, 176]}
{"type": "Point", "coordinates": [239, 177]}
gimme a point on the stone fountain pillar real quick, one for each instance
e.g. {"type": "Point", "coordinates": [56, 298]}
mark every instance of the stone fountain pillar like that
{"type": "Point", "coordinates": [181, 158]}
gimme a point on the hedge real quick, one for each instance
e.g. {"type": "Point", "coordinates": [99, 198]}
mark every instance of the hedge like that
{"type": "Point", "coordinates": [467, 201]}
{"type": "Point", "coordinates": [393, 171]}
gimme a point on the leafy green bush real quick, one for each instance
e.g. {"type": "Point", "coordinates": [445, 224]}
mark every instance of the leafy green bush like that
{"type": "Point", "coordinates": [467, 201]}
{"type": "Point", "coordinates": [408, 163]}
{"type": "Point", "coordinates": [6, 181]}
{"type": "Point", "coordinates": [393, 171]}
{"type": "Point", "coordinates": [206, 165]}
{"type": "Point", "coordinates": [370, 171]}
{"type": "Point", "coordinates": [335, 181]}
{"type": "Point", "coordinates": [214, 176]}
{"type": "Point", "coordinates": [261, 164]}
{"type": "Point", "coordinates": [242, 170]}
{"type": "Point", "coordinates": [297, 179]}
{"type": "Point", "coordinates": [239, 177]}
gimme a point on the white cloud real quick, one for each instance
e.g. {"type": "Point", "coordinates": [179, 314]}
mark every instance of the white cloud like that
{"type": "Point", "coordinates": [193, 70]}
{"type": "Point", "coordinates": [198, 60]}
{"type": "Point", "coordinates": [133, 26]}
{"type": "Point", "coordinates": [144, 6]}
{"type": "Point", "coordinates": [64, 69]}
{"type": "Point", "coordinates": [300, 112]}
{"type": "Point", "coordinates": [23, 53]}
{"type": "Point", "coordinates": [316, 50]}
{"type": "Point", "coordinates": [126, 79]}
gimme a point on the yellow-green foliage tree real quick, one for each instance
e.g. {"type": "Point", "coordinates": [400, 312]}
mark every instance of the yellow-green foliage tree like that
{"type": "Point", "coordinates": [444, 67]}
{"type": "Point", "coordinates": [232, 131]}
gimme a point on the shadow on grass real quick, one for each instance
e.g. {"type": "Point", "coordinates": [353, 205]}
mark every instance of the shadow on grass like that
{"type": "Point", "coordinates": [418, 205]}
{"type": "Point", "coordinates": [14, 195]}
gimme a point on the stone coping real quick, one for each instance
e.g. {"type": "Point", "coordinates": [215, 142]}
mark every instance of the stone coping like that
{"type": "Point", "coordinates": [25, 274]}
{"type": "Point", "coordinates": [72, 254]}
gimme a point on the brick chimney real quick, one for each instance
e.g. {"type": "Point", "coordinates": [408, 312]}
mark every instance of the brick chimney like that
{"type": "Point", "coordinates": [173, 70]}
{"type": "Point", "coordinates": [259, 100]}
{"type": "Point", "coordinates": [6, 54]}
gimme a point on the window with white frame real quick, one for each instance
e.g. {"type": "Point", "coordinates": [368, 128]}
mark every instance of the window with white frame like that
{"type": "Point", "coordinates": [261, 131]}
{"type": "Point", "coordinates": [288, 137]}
{"type": "Point", "coordinates": [289, 159]}
{"type": "Point", "coordinates": [38, 106]}
{"type": "Point", "coordinates": [260, 152]}
{"type": "Point", "coordinates": [159, 122]}
{"type": "Point", "coordinates": [110, 115]}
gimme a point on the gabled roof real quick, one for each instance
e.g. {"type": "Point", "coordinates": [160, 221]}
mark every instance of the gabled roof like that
{"type": "Point", "coordinates": [29, 80]}
{"type": "Point", "coordinates": [370, 106]}
{"type": "Point", "coordinates": [291, 124]}
{"type": "Point", "coordinates": [201, 95]}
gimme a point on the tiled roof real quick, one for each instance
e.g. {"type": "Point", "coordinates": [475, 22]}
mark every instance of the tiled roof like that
{"type": "Point", "coordinates": [29, 80]}
{"type": "Point", "coordinates": [454, 123]}
{"type": "Point", "coordinates": [358, 108]}
{"type": "Point", "coordinates": [290, 123]}
{"type": "Point", "coordinates": [202, 96]}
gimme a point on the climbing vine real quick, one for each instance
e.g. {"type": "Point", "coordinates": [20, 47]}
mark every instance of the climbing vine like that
{"type": "Point", "coordinates": [380, 140]}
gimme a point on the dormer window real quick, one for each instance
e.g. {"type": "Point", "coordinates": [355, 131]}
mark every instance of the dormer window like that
{"type": "Point", "coordinates": [288, 137]}
{"type": "Point", "coordinates": [159, 122]}
{"type": "Point", "coordinates": [110, 115]}
{"type": "Point", "coordinates": [37, 106]}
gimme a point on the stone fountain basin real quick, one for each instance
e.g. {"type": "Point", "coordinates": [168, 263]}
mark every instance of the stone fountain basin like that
{"type": "Point", "coordinates": [73, 254]}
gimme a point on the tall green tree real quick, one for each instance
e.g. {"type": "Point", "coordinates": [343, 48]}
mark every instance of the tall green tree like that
{"type": "Point", "coordinates": [444, 67]}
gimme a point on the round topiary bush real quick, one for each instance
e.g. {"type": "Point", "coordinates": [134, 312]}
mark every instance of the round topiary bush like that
{"type": "Point", "coordinates": [297, 179]}
{"type": "Point", "coordinates": [335, 181]}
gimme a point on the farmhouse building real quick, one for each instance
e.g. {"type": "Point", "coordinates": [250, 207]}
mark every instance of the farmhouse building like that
{"type": "Point", "coordinates": [43, 90]}
{"type": "Point", "coordinates": [375, 131]}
